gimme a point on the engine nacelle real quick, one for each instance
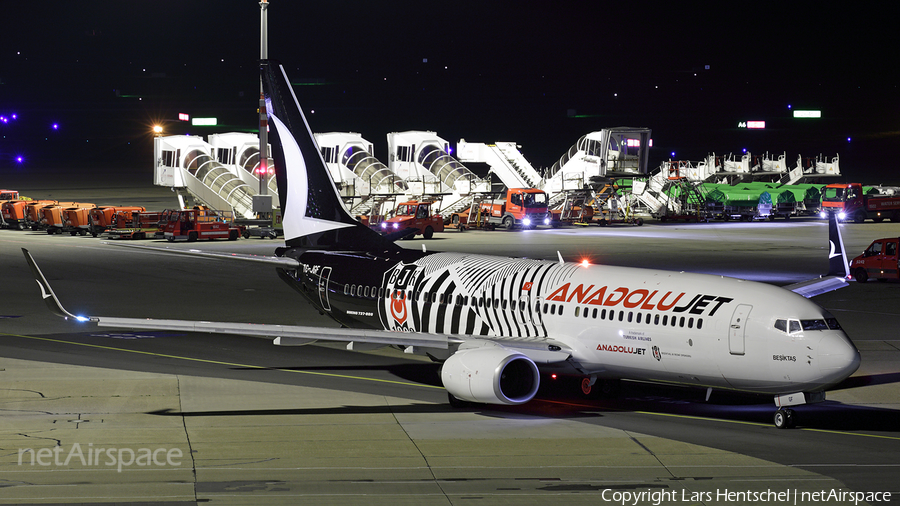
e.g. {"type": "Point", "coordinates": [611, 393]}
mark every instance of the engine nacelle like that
{"type": "Point", "coordinates": [491, 375]}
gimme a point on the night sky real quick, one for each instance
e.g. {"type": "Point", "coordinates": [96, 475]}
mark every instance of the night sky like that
{"type": "Point", "coordinates": [538, 73]}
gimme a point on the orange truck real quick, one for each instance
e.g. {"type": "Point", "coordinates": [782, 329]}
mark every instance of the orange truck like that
{"type": "Point", "coordinates": [198, 223]}
{"type": "Point", "coordinates": [518, 208]}
{"type": "Point", "coordinates": [850, 201]}
{"type": "Point", "coordinates": [414, 215]}
{"type": "Point", "coordinates": [878, 261]}
{"type": "Point", "coordinates": [53, 217]}
{"type": "Point", "coordinates": [103, 218]}
{"type": "Point", "coordinates": [7, 196]}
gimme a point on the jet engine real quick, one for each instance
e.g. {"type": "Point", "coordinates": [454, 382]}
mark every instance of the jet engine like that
{"type": "Point", "coordinates": [490, 375]}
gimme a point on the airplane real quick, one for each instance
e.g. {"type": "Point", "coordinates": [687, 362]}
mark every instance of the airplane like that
{"type": "Point", "coordinates": [492, 321]}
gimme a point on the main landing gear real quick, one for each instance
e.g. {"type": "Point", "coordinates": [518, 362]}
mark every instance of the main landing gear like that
{"type": "Point", "coordinates": [784, 418]}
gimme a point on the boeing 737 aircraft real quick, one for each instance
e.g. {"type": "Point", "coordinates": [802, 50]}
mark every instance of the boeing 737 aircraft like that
{"type": "Point", "coordinates": [492, 320]}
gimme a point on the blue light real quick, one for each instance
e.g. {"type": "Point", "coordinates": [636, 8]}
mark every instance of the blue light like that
{"type": "Point", "coordinates": [56, 126]}
{"type": "Point", "coordinates": [672, 154]}
{"type": "Point", "coordinates": [848, 139]}
{"type": "Point", "coordinates": [20, 159]}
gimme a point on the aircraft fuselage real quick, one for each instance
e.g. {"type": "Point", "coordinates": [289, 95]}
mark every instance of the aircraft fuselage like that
{"type": "Point", "coordinates": [616, 322]}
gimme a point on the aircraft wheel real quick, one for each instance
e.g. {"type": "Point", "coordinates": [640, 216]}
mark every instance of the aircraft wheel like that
{"type": "Point", "coordinates": [784, 418]}
{"type": "Point", "coordinates": [861, 275]}
{"type": "Point", "coordinates": [428, 233]}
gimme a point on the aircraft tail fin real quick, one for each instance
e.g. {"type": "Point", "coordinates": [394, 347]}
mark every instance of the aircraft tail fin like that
{"type": "Point", "coordinates": [313, 213]}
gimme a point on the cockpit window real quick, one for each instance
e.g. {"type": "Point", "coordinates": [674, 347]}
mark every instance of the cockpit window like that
{"type": "Point", "coordinates": [814, 324]}
{"type": "Point", "coordinates": [791, 326]}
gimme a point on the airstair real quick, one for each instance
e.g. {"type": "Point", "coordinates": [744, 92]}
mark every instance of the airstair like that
{"type": "Point", "coordinates": [610, 152]}
{"type": "Point", "coordinates": [188, 163]}
{"type": "Point", "coordinates": [505, 160]}
{"type": "Point", "coordinates": [356, 172]}
{"type": "Point", "coordinates": [423, 159]}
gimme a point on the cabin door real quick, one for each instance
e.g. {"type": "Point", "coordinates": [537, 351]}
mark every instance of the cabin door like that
{"type": "Point", "coordinates": [324, 277]}
{"type": "Point", "coordinates": [736, 329]}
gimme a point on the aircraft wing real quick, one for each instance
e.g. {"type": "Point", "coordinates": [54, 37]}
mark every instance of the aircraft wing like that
{"type": "Point", "coordinates": [285, 262]}
{"type": "Point", "coordinates": [538, 349]}
{"type": "Point", "coordinates": [818, 286]}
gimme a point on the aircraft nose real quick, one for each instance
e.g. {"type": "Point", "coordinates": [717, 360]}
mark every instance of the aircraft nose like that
{"type": "Point", "coordinates": [838, 357]}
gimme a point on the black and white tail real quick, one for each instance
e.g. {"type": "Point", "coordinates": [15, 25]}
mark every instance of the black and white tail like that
{"type": "Point", "coordinates": [314, 215]}
{"type": "Point", "coordinates": [837, 257]}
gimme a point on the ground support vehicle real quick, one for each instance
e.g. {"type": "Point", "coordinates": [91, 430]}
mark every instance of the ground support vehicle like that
{"type": "Point", "coordinates": [53, 219]}
{"type": "Point", "coordinates": [878, 261]}
{"type": "Point", "coordinates": [264, 229]}
{"type": "Point", "coordinates": [777, 202]}
{"type": "Point", "coordinates": [33, 215]}
{"type": "Point", "coordinates": [103, 218]}
{"type": "Point", "coordinates": [414, 215]}
{"type": "Point", "coordinates": [6, 196]}
{"type": "Point", "coordinates": [857, 203]}
{"type": "Point", "coordinates": [518, 208]}
{"type": "Point", "coordinates": [193, 224]}
{"type": "Point", "coordinates": [136, 224]}
{"type": "Point", "coordinates": [76, 220]}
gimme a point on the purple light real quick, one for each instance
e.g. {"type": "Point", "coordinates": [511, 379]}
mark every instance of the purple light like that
{"type": "Point", "coordinates": [20, 159]}
{"type": "Point", "coordinates": [848, 139]}
{"type": "Point", "coordinates": [4, 119]}
{"type": "Point", "coordinates": [56, 126]}
{"type": "Point", "coordinates": [672, 154]}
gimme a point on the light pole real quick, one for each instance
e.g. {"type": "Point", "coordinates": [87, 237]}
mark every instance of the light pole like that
{"type": "Point", "coordinates": [263, 121]}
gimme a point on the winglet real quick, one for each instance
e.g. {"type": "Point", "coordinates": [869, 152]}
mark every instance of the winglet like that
{"type": "Point", "coordinates": [47, 292]}
{"type": "Point", "coordinates": [837, 255]}
{"type": "Point", "coordinates": [838, 268]}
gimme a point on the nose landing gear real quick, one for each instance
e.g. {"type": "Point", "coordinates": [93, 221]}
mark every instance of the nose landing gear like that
{"type": "Point", "coordinates": [784, 418]}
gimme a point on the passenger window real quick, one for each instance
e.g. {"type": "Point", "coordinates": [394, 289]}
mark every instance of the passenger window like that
{"type": "Point", "coordinates": [890, 249]}
{"type": "Point", "coordinates": [656, 320]}
{"type": "Point", "coordinates": [595, 313]}
{"type": "Point", "coordinates": [699, 323]}
{"type": "Point", "coordinates": [578, 311]}
{"type": "Point", "coordinates": [690, 323]}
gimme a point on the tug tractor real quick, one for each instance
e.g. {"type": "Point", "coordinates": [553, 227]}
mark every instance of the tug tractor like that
{"type": "Point", "coordinates": [414, 215]}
